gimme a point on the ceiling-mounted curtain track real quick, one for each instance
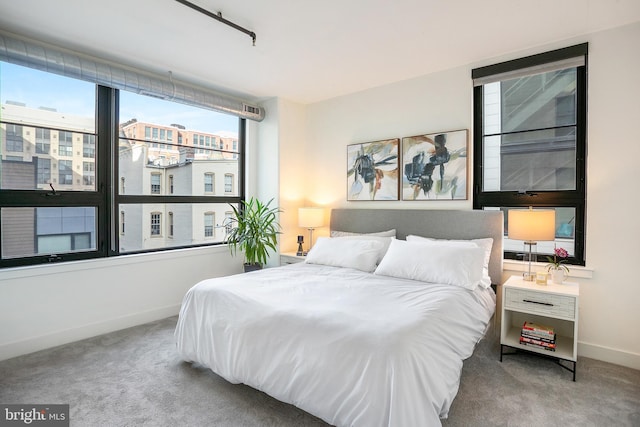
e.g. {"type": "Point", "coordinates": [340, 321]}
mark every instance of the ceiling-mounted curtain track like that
{"type": "Point", "coordinates": [218, 17]}
{"type": "Point", "coordinates": [41, 56]}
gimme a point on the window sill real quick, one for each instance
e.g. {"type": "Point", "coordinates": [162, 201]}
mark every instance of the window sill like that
{"type": "Point", "coordinates": [577, 271]}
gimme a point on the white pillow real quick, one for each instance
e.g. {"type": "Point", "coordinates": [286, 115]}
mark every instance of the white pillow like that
{"type": "Point", "coordinates": [388, 233]}
{"type": "Point", "coordinates": [457, 265]}
{"type": "Point", "coordinates": [385, 242]}
{"type": "Point", "coordinates": [485, 244]}
{"type": "Point", "coordinates": [360, 254]}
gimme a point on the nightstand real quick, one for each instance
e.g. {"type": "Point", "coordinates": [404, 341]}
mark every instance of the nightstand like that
{"type": "Point", "coordinates": [552, 305]}
{"type": "Point", "coordinates": [290, 258]}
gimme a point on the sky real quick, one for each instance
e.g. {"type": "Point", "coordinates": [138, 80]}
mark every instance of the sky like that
{"type": "Point", "coordinates": [40, 89]}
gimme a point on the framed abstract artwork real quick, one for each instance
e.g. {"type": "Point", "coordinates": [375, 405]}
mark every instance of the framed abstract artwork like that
{"type": "Point", "coordinates": [372, 170]}
{"type": "Point", "coordinates": [434, 166]}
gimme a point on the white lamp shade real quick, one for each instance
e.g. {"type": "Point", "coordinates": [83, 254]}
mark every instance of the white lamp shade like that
{"type": "Point", "coordinates": [532, 225]}
{"type": "Point", "coordinates": [310, 217]}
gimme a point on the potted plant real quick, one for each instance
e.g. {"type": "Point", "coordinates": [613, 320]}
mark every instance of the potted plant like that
{"type": "Point", "coordinates": [253, 230]}
{"type": "Point", "coordinates": [556, 266]}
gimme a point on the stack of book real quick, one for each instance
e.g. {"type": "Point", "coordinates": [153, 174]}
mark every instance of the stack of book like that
{"type": "Point", "coordinates": [539, 336]}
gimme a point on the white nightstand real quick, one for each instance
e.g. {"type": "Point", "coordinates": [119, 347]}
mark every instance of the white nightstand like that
{"type": "Point", "coordinates": [290, 258]}
{"type": "Point", "coordinates": [551, 305]}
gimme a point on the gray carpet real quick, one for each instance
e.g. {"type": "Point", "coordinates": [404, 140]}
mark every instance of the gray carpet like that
{"type": "Point", "coordinates": [134, 377]}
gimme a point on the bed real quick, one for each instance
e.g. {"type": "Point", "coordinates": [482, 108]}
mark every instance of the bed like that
{"type": "Point", "coordinates": [354, 347]}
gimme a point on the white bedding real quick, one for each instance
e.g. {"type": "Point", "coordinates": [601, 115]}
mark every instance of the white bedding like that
{"type": "Point", "coordinates": [349, 347]}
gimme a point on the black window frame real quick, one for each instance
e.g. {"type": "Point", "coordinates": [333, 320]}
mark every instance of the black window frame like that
{"type": "Point", "coordinates": [539, 199]}
{"type": "Point", "coordinates": [106, 198]}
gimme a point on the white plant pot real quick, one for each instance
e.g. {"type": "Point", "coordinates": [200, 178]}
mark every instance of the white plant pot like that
{"type": "Point", "coordinates": [558, 275]}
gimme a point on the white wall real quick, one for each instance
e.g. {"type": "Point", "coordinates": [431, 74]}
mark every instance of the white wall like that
{"type": "Point", "coordinates": [50, 305]}
{"type": "Point", "coordinates": [292, 171]}
{"type": "Point", "coordinates": [281, 165]}
{"type": "Point", "coordinates": [443, 101]}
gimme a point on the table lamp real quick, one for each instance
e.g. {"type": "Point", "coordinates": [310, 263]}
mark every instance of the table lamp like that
{"type": "Point", "coordinates": [310, 218]}
{"type": "Point", "coordinates": [532, 226]}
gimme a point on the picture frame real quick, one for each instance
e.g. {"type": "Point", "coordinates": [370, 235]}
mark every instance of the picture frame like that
{"type": "Point", "coordinates": [435, 166]}
{"type": "Point", "coordinates": [372, 170]}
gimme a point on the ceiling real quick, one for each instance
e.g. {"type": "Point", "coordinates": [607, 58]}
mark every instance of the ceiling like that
{"type": "Point", "coordinates": [307, 51]}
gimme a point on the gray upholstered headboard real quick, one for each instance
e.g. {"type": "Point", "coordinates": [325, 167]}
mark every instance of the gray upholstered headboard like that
{"type": "Point", "coordinates": [439, 224]}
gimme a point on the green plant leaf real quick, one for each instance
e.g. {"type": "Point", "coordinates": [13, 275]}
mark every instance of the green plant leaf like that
{"type": "Point", "coordinates": [254, 230]}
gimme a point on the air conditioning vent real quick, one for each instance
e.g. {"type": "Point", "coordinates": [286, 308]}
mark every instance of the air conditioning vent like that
{"type": "Point", "coordinates": [251, 110]}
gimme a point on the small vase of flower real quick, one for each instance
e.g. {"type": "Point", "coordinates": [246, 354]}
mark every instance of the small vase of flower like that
{"type": "Point", "coordinates": [556, 267]}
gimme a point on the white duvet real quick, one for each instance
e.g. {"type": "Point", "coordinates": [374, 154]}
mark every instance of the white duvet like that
{"type": "Point", "coordinates": [351, 348]}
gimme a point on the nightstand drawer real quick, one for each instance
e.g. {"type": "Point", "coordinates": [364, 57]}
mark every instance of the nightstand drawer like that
{"type": "Point", "coordinates": [540, 303]}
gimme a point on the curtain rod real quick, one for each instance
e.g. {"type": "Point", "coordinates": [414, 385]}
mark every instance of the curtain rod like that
{"type": "Point", "coordinates": [219, 17]}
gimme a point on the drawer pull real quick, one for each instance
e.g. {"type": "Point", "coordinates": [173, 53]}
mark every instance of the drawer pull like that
{"type": "Point", "coordinates": [538, 302]}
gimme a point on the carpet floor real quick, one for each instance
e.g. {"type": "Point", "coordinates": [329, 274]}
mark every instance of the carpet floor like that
{"type": "Point", "coordinates": [134, 377]}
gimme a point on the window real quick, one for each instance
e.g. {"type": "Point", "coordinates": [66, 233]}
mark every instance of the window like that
{"type": "Point", "coordinates": [88, 146]}
{"type": "Point", "coordinates": [228, 183]}
{"type": "Point", "coordinates": [88, 180]}
{"type": "Point", "coordinates": [208, 182]}
{"type": "Point", "coordinates": [209, 220]}
{"type": "Point", "coordinates": [156, 178]}
{"type": "Point", "coordinates": [187, 172]}
{"type": "Point", "coordinates": [70, 242]}
{"type": "Point", "coordinates": [88, 167]}
{"type": "Point", "coordinates": [14, 139]}
{"type": "Point", "coordinates": [530, 142]}
{"type": "Point", "coordinates": [44, 171]}
{"type": "Point", "coordinates": [65, 172]}
{"type": "Point", "coordinates": [72, 151]}
{"type": "Point", "coordinates": [43, 141]}
{"type": "Point", "coordinates": [65, 143]}
{"type": "Point", "coordinates": [156, 224]}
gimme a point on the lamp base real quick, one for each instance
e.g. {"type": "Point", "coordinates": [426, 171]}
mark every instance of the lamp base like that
{"type": "Point", "coordinates": [528, 276]}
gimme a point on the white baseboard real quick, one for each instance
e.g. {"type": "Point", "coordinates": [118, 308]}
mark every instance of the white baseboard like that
{"type": "Point", "coordinates": [30, 345]}
{"type": "Point", "coordinates": [611, 355]}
